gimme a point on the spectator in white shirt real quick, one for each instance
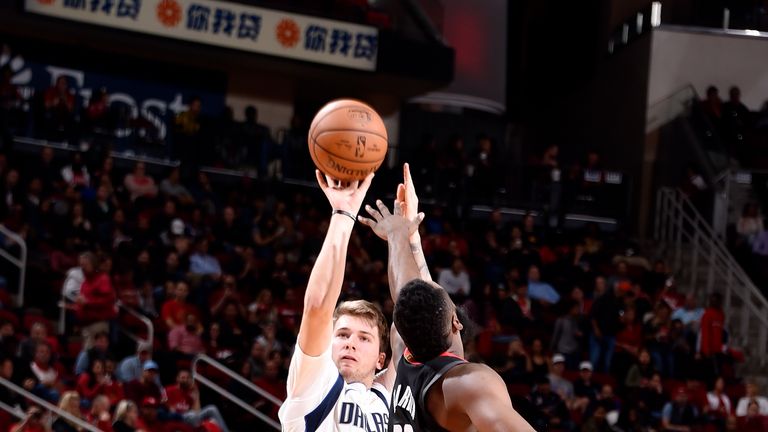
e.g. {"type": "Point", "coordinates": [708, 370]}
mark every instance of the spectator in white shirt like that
{"type": "Point", "coordinates": [762, 402]}
{"type": "Point", "coordinates": [718, 405]}
{"type": "Point", "coordinates": [455, 280]}
{"type": "Point", "coordinates": [74, 280]}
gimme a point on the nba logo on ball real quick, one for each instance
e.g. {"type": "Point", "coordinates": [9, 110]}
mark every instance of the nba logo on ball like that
{"type": "Point", "coordinates": [336, 127]}
{"type": "Point", "coordinates": [360, 148]}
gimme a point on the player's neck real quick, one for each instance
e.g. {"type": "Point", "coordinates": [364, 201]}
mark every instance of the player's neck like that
{"type": "Point", "coordinates": [457, 347]}
{"type": "Point", "coordinates": [367, 382]}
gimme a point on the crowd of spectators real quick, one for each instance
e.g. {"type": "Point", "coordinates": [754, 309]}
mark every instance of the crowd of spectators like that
{"type": "Point", "coordinates": [584, 329]}
{"type": "Point", "coordinates": [587, 332]}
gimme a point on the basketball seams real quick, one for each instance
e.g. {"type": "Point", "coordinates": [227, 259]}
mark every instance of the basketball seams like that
{"type": "Point", "coordinates": [314, 141]}
{"type": "Point", "coordinates": [326, 170]}
{"type": "Point", "coordinates": [351, 130]}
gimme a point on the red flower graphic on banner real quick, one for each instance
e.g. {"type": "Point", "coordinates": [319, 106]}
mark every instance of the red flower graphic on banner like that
{"type": "Point", "coordinates": [169, 12]}
{"type": "Point", "coordinates": [45, 2]}
{"type": "Point", "coordinates": [288, 33]}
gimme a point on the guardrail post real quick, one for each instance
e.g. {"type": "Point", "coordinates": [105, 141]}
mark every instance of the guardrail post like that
{"type": "Point", "coordinates": [711, 271]}
{"type": "Point", "coordinates": [657, 218]}
{"type": "Point", "coordinates": [20, 262]}
{"type": "Point", "coordinates": [695, 260]}
{"type": "Point", "coordinates": [762, 343]}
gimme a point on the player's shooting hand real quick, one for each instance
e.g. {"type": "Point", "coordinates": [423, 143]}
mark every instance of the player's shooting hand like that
{"type": "Point", "coordinates": [385, 223]}
{"type": "Point", "coordinates": [346, 196]}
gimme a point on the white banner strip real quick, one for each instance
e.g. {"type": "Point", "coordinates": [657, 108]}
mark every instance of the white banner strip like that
{"type": "Point", "coordinates": [231, 25]}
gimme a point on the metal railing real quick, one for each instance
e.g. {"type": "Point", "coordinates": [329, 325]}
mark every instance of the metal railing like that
{"type": "Point", "coordinates": [65, 301]}
{"type": "Point", "coordinates": [228, 395]}
{"type": "Point", "coordinates": [150, 339]}
{"type": "Point", "coordinates": [83, 425]}
{"type": "Point", "coordinates": [20, 262]}
{"type": "Point", "coordinates": [117, 155]}
{"type": "Point", "coordinates": [686, 236]}
{"type": "Point", "coordinates": [15, 411]}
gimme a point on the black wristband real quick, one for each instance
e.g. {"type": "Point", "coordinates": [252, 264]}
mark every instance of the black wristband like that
{"type": "Point", "coordinates": [345, 213]}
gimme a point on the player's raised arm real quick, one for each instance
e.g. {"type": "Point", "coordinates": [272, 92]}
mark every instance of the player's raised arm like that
{"type": "Point", "coordinates": [401, 266]}
{"type": "Point", "coordinates": [396, 229]}
{"type": "Point", "coordinates": [478, 392]}
{"type": "Point", "coordinates": [327, 275]}
{"type": "Point", "coordinates": [406, 195]}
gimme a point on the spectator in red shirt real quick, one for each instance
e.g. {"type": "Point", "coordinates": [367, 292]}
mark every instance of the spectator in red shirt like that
{"type": "Point", "coordinates": [710, 343]}
{"type": "Point", "coordinates": [226, 294]}
{"type": "Point", "coordinates": [585, 305]}
{"type": "Point", "coordinates": [139, 184]}
{"type": "Point", "coordinates": [96, 302]}
{"type": "Point", "coordinates": [146, 386]}
{"type": "Point", "coordinates": [184, 399]}
{"type": "Point", "coordinates": [152, 422]}
{"type": "Point", "coordinates": [97, 382]}
{"type": "Point", "coordinates": [712, 325]}
{"type": "Point", "coordinates": [99, 415]}
{"type": "Point", "coordinates": [175, 310]}
{"type": "Point", "coordinates": [289, 310]}
{"type": "Point", "coordinates": [97, 114]}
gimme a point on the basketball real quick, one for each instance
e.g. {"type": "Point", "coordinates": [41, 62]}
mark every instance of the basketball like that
{"type": "Point", "coordinates": [347, 140]}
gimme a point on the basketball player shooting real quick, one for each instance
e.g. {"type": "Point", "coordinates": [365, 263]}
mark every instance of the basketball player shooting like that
{"type": "Point", "coordinates": [435, 388]}
{"type": "Point", "coordinates": [331, 380]}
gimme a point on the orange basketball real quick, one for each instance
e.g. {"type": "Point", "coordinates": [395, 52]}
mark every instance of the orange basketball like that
{"type": "Point", "coordinates": [347, 140]}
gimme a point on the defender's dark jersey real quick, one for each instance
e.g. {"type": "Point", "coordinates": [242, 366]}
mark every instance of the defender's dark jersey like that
{"type": "Point", "coordinates": [408, 410]}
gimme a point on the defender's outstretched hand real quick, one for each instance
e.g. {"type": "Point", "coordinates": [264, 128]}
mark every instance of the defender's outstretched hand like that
{"type": "Point", "coordinates": [385, 223]}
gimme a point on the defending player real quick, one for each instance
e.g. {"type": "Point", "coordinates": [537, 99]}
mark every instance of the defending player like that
{"type": "Point", "coordinates": [435, 389]}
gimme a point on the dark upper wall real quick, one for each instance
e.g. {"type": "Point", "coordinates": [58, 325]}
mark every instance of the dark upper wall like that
{"type": "Point", "coordinates": [566, 88]}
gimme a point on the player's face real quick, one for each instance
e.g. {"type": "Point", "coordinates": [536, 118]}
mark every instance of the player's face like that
{"type": "Point", "coordinates": [356, 349]}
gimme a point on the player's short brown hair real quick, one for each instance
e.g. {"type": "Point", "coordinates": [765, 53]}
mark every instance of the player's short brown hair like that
{"type": "Point", "coordinates": [368, 312]}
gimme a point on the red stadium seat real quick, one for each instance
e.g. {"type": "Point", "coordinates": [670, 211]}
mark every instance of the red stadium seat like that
{"type": "Point", "coordinates": [735, 391]}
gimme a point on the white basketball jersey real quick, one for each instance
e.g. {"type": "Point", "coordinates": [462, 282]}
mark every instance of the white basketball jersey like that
{"type": "Point", "coordinates": [320, 400]}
